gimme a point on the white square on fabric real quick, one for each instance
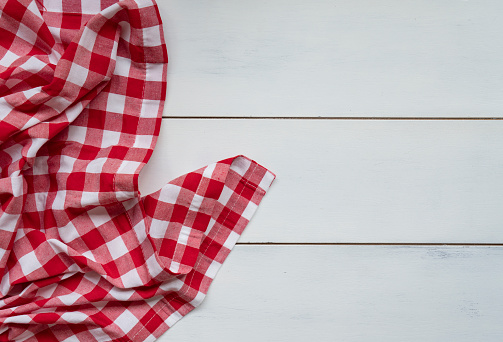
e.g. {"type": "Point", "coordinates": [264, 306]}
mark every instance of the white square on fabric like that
{"type": "Point", "coordinates": [169, 193]}
{"type": "Point", "coordinates": [145, 3]}
{"type": "Point", "coordinates": [149, 108]}
{"type": "Point", "coordinates": [198, 299]}
{"type": "Point", "coordinates": [98, 215]}
{"type": "Point", "coordinates": [68, 233]}
{"type": "Point", "coordinates": [8, 222]}
{"type": "Point", "coordinates": [26, 34]}
{"type": "Point", "coordinates": [117, 247]}
{"type": "Point", "coordinates": [32, 92]}
{"type": "Point", "coordinates": [32, 7]}
{"type": "Point", "coordinates": [174, 266]}
{"type": "Point", "coordinates": [173, 318]}
{"type": "Point", "coordinates": [89, 255]}
{"type": "Point", "coordinates": [158, 229]}
{"type": "Point", "coordinates": [249, 210]}
{"type": "Point", "coordinates": [59, 200]}
{"type": "Point", "coordinates": [154, 71]}
{"type": "Point", "coordinates": [69, 299]}
{"type": "Point", "coordinates": [131, 279]}
{"type": "Point", "coordinates": [213, 269]}
{"type": "Point", "coordinates": [128, 167]}
{"type": "Point", "coordinates": [184, 235]}
{"type": "Point", "coordinates": [110, 138]}
{"type": "Point", "coordinates": [151, 36]}
{"type": "Point", "coordinates": [88, 38]}
{"type": "Point", "coordinates": [59, 104]}
{"type": "Point", "coordinates": [29, 263]}
{"type": "Point", "coordinates": [96, 165]}
{"type": "Point", "coordinates": [225, 195]}
{"type": "Point", "coordinates": [90, 198]}
{"type": "Point", "coordinates": [74, 317]}
{"type": "Point", "coordinates": [77, 74]}
{"type": "Point", "coordinates": [91, 7]}
{"type": "Point", "coordinates": [116, 103]}
{"type": "Point", "coordinates": [122, 66]}
{"type": "Point", "coordinates": [210, 226]}
{"type": "Point", "coordinates": [33, 64]}
{"type": "Point", "coordinates": [196, 202]}
{"type": "Point", "coordinates": [36, 144]}
{"type": "Point", "coordinates": [266, 181]}
{"type": "Point", "coordinates": [208, 171]}
{"type": "Point", "coordinates": [231, 240]}
{"type": "Point", "coordinates": [153, 266]}
{"type": "Point", "coordinates": [19, 319]}
{"type": "Point", "coordinates": [77, 133]}
{"type": "Point", "coordinates": [47, 291]}
{"type": "Point", "coordinates": [8, 58]}
{"type": "Point", "coordinates": [56, 33]}
{"type": "Point", "coordinates": [142, 141]}
{"type": "Point", "coordinates": [54, 6]}
{"type": "Point", "coordinates": [150, 338]}
{"type": "Point", "coordinates": [30, 123]}
{"type": "Point", "coordinates": [240, 165]}
{"type": "Point", "coordinates": [66, 164]}
{"type": "Point", "coordinates": [138, 228]}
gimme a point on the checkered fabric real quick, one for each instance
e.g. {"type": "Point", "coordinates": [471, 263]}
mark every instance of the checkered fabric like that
{"type": "Point", "coordinates": [83, 256]}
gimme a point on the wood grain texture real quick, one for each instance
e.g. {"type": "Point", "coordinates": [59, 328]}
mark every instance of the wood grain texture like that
{"type": "Point", "coordinates": [384, 181]}
{"type": "Point", "coordinates": [351, 294]}
{"type": "Point", "coordinates": [334, 58]}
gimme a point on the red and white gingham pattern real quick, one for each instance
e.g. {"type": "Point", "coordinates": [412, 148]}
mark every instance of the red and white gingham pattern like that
{"type": "Point", "coordinates": [82, 256]}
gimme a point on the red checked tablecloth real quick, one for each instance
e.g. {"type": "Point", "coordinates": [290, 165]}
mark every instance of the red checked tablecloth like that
{"type": "Point", "coordinates": [83, 256]}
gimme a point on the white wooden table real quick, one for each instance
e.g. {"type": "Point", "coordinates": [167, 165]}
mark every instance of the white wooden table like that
{"type": "Point", "coordinates": [382, 121]}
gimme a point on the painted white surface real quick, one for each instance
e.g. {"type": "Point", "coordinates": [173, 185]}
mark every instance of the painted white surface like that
{"type": "Point", "coordinates": [351, 293]}
{"type": "Point", "coordinates": [359, 181]}
{"type": "Point", "coordinates": [353, 180]}
{"type": "Point", "coordinates": [334, 58]}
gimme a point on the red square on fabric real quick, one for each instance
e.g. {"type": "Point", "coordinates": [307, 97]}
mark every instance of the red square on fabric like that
{"type": "Point", "coordinates": [246, 189]}
{"type": "Point", "coordinates": [167, 248]}
{"type": "Point", "coordinates": [179, 213]}
{"type": "Point", "coordinates": [201, 221]}
{"type": "Point", "coordinates": [93, 239]}
{"type": "Point", "coordinates": [76, 181]}
{"type": "Point", "coordinates": [99, 63]}
{"type": "Point", "coordinates": [151, 321]}
{"type": "Point", "coordinates": [89, 152]}
{"type": "Point", "coordinates": [55, 266]}
{"type": "Point", "coordinates": [130, 124]}
{"type": "Point", "coordinates": [71, 21]}
{"type": "Point", "coordinates": [214, 189]}
{"type": "Point", "coordinates": [191, 181]}
{"type": "Point", "coordinates": [135, 88]}
{"type": "Point", "coordinates": [118, 152]}
{"type": "Point", "coordinates": [96, 118]}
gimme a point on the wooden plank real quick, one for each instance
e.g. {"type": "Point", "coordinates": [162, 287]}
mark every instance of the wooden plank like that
{"type": "Point", "coordinates": [334, 58]}
{"type": "Point", "coordinates": [351, 294]}
{"type": "Point", "coordinates": [433, 181]}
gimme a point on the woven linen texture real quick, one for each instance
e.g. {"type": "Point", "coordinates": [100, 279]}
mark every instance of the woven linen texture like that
{"type": "Point", "coordinates": [83, 256]}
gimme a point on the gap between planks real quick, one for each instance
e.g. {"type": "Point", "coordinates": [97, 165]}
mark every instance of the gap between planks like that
{"type": "Point", "coordinates": [368, 244]}
{"type": "Point", "coordinates": [329, 118]}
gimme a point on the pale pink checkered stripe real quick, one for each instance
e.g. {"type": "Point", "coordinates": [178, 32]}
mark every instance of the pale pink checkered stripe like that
{"type": "Point", "coordinates": [83, 257]}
